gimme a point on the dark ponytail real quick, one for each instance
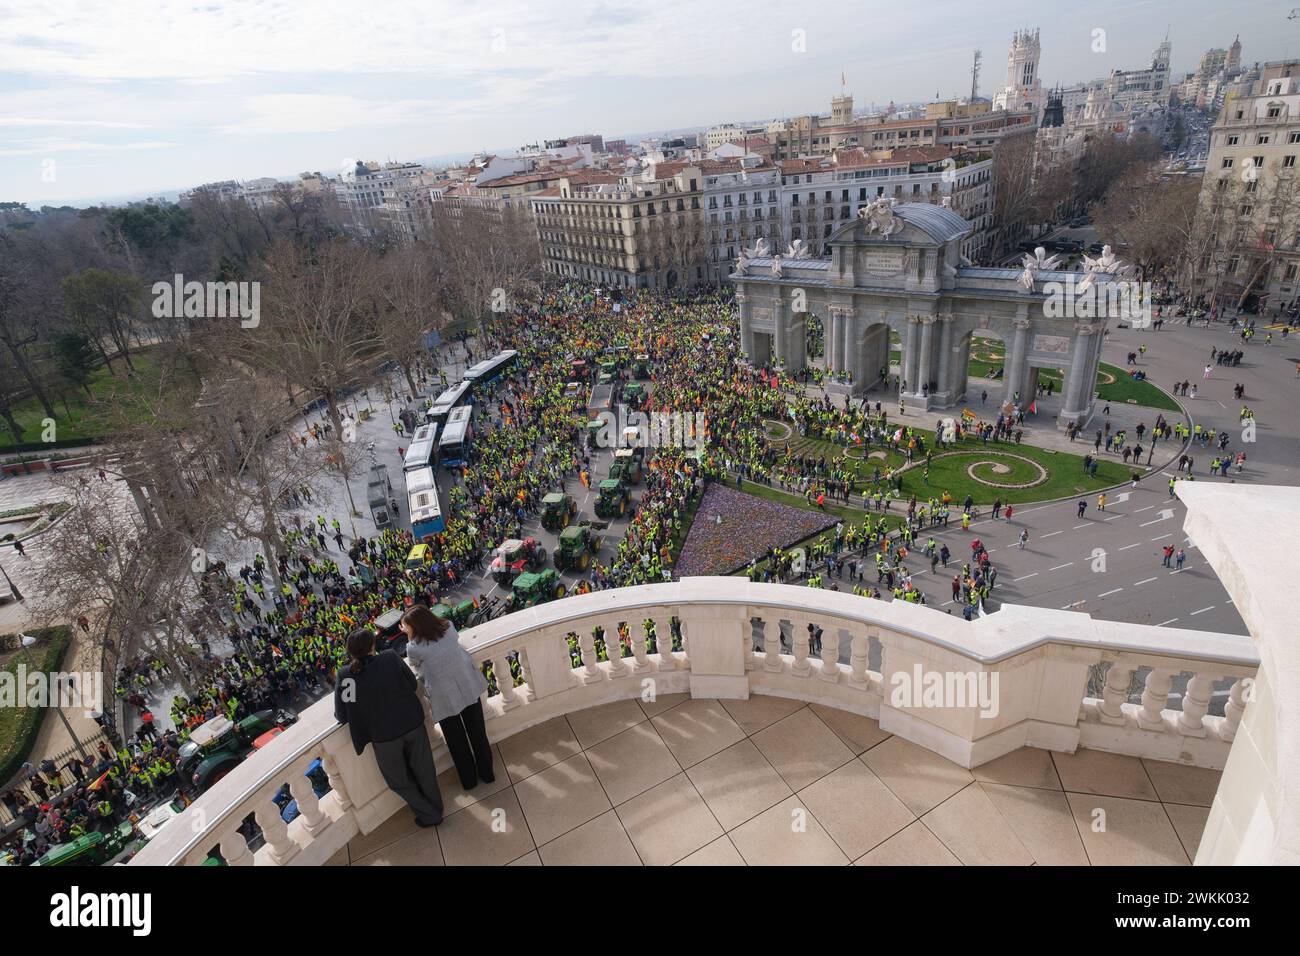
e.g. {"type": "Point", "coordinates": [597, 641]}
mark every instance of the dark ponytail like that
{"type": "Point", "coordinates": [361, 647]}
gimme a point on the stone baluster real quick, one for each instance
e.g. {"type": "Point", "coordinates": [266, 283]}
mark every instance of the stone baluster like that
{"type": "Point", "coordinates": [802, 641]}
{"type": "Point", "coordinates": [591, 669]}
{"type": "Point", "coordinates": [686, 643]}
{"type": "Point", "coordinates": [747, 643]}
{"type": "Point", "coordinates": [525, 671]}
{"type": "Point", "coordinates": [664, 641]}
{"type": "Point", "coordinates": [614, 651]}
{"type": "Point", "coordinates": [830, 671]}
{"type": "Point", "coordinates": [234, 849]}
{"type": "Point", "coordinates": [1234, 708]}
{"type": "Point", "coordinates": [308, 805]}
{"type": "Point", "coordinates": [1196, 704]}
{"type": "Point", "coordinates": [337, 786]}
{"type": "Point", "coordinates": [506, 682]}
{"type": "Point", "coordinates": [1115, 693]}
{"type": "Point", "coordinates": [640, 641]}
{"type": "Point", "coordinates": [772, 646]}
{"type": "Point", "coordinates": [1154, 699]}
{"type": "Point", "coordinates": [275, 831]}
{"type": "Point", "coordinates": [860, 652]}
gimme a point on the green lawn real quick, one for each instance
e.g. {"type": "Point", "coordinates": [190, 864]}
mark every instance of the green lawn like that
{"type": "Point", "coordinates": [84, 416]}
{"type": "Point", "coordinates": [1064, 473]}
{"type": "Point", "coordinates": [19, 725]}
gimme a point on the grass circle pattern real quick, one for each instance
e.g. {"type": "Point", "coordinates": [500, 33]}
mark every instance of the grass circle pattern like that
{"type": "Point", "coordinates": [1005, 470]}
{"type": "Point", "coordinates": [777, 431]}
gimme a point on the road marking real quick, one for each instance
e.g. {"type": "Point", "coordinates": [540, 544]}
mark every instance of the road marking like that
{"type": "Point", "coordinates": [1170, 621]}
{"type": "Point", "coordinates": [1147, 508]}
{"type": "Point", "coordinates": [1078, 526]}
{"type": "Point", "coordinates": [1116, 591]}
{"type": "Point", "coordinates": [1170, 535]}
{"type": "Point", "coordinates": [1144, 581]}
{"type": "Point", "coordinates": [1059, 566]}
{"type": "Point", "coordinates": [1113, 517]}
{"type": "Point", "coordinates": [1203, 610]}
{"type": "Point", "coordinates": [1127, 546]}
{"type": "Point", "coordinates": [1034, 575]}
{"type": "Point", "coordinates": [1179, 570]}
{"type": "Point", "coordinates": [1048, 535]}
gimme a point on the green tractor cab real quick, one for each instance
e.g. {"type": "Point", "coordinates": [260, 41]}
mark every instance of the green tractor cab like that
{"type": "Point", "coordinates": [558, 509]}
{"type": "Point", "coordinates": [92, 849]}
{"type": "Point", "coordinates": [513, 557]}
{"type": "Point", "coordinates": [216, 746]}
{"type": "Point", "coordinates": [634, 394]}
{"type": "Point", "coordinates": [627, 465]}
{"type": "Point", "coordinates": [577, 546]}
{"type": "Point", "coordinates": [641, 366]}
{"type": "Point", "coordinates": [573, 390]}
{"type": "Point", "coordinates": [536, 587]}
{"type": "Point", "coordinates": [458, 614]}
{"type": "Point", "coordinates": [613, 499]}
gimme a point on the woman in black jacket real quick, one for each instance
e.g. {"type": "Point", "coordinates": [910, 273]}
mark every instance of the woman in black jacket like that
{"type": "Point", "coordinates": [375, 695]}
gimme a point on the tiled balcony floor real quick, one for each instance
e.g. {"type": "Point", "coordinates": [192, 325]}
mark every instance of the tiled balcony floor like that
{"type": "Point", "coordinates": [773, 781]}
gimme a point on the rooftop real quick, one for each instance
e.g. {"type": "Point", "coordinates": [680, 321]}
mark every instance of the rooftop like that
{"type": "Point", "coordinates": [683, 781]}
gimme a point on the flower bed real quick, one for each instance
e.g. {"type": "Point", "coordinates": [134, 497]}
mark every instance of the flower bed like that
{"type": "Point", "coordinates": [750, 525]}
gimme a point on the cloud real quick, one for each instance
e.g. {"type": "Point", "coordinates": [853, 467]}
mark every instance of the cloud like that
{"type": "Point", "coordinates": [27, 121]}
{"type": "Point", "coordinates": [56, 146]}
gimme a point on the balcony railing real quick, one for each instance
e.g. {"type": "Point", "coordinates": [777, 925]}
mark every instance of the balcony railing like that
{"type": "Point", "coordinates": [1021, 677]}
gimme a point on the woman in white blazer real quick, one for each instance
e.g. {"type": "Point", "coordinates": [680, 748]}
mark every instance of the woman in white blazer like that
{"type": "Point", "coordinates": [454, 686]}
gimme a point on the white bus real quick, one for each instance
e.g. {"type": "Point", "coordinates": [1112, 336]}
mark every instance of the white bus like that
{"type": "Point", "coordinates": [453, 446]}
{"type": "Point", "coordinates": [422, 498]}
{"type": "Point", "coordinates": [423, 447]}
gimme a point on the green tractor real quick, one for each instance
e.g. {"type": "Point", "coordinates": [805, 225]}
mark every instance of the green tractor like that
{"type": "Point", "coordinates": [577, 547]}
{"type": "Point", "coordinates": [608, 370]}
{"type": "Point", "coordinates": [92, 849]}
{"type": "Point", "coordinates": [217, 745]}
{"type": "Point", "coordinates": [558, 510]}
{"type": "Point", "coordinates": [613, 499]}
{"type": "Point", "coordinates": [627, 466]}
{"type": "Point", "coordinates": [513, 557]}
{"type": "Point", "coordinates": [641, 366]}
{"type": "Point", "coordinates": [536, 587]}
{"type": "Point", "coordinates": [457, 613]}
{"type": "Point", "coordinates": [634, 394]}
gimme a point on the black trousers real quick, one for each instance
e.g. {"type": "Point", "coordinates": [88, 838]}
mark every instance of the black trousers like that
{"type": "Point", "coordinates": [467, 741]}
{"type": "Point", "coordinates": [407, 767]}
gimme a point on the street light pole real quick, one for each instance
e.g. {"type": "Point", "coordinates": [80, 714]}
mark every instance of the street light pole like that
{"type": "Point", "coordinates": [26, 641]}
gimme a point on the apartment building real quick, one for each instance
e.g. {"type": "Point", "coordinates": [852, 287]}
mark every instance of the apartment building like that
{"type": "Point", "coordinates": [642, 231]}
{"type": "Point", "coordinates": [1250, 196]}
{"type": "Point", "coordinates": [742, 203]}
{"type": "Point", "coordinates": [818, 195]}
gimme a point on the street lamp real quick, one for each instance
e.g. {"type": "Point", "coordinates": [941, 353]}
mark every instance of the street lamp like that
{"type": "Point", "coordinates": [27, 641]}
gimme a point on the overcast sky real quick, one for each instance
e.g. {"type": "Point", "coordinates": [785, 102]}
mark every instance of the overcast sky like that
{"type": "Point", "coordinates": [123, 97]}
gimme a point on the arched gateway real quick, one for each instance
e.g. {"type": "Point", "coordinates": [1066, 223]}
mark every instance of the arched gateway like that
{"type": "Point", "coordinates": [899, 268]}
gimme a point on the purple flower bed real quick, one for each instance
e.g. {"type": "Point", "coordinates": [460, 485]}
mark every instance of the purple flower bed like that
{"type": "Point", "coordinates": [750, 525]}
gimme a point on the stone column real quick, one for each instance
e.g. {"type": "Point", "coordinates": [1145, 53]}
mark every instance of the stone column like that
{"type": "Point", "coordinates": [748, 343]}
{"type": "Point", "coordinates": [911, 348]}
{"type": "Point", "coordinates": [927, 352]}
{"type": "Point", "coordinates": [945, 358]}
{"type": "Point", "coordinates": [1013, 372]}
{"type": "Point", "coordinates": [781, 323]}
{"type": "Point", "coordinates": [834, 362]}
{"type": "Point", "coordinates": [1078, 388]}
{"type": "Point", "coordinates": [846, 341]}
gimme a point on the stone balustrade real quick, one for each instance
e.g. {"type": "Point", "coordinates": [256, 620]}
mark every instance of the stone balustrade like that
{"type": "Point", "coordinates": [969, 691]}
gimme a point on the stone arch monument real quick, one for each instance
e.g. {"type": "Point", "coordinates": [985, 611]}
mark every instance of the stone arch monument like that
{"type": "Point", "coordinates": [899, 268]}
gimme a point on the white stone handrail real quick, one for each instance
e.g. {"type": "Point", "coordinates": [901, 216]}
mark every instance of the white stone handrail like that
{"type": "Point", "coordinates": [1016, 678]}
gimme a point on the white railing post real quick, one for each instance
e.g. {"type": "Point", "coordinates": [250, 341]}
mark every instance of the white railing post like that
{"type": "Point", "coordinates": [276, 831]}
{"type": "Point", "coordinates": [640, 640]}
{"type": "Point", "coordinates": [830, 670]}
{"type": "Point", "coordinates": [313, 820]}
{"type": "Point", "coordinates": [1115, 693]}
{"type": "Point", "coordinates": [1196, 704]}
{"type": "Point", "coordinates": [664, 644]}
{"type": "Point", "coordinates": [801, 639]}
{"type": "Point", "coordinates": [1154, 699]}
{"type": "Point", "coordinates": [337, 786]}
{"type": "Point", "coordinates": [1233, 709]}
{"type": "Point", "coordinates": [505, 682]}
{"type": "Point", "coordinates": [772, 645]}
{"type": "Point", "coordinates": [234, 849]}
{"type": "Point", "coordinates": [591, 667]}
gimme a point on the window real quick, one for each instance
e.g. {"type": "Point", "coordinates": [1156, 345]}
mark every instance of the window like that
{"type": "Point", "coordinates": [1293, 137]}
{"type": "Point", "coordinates": [1274, 112]}
{"type": "Point", "coordinates": [1258, 161]}
{"type": "Point", "coordinates": [1261, 139]}
{"type": "Point", "coordinates": [1288, 161]}
{"type": "Point", "coordinates": [1233, 140]}
{"type": "Point", "coordinates": [1227, 162]}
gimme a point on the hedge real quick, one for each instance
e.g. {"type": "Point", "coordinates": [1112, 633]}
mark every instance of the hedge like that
{"type": "Point", "coordinates": [20, 725]}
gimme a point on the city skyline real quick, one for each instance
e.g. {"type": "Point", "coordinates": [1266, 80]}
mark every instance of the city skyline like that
{"type": "Point", "coordinates": [136, 98]}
